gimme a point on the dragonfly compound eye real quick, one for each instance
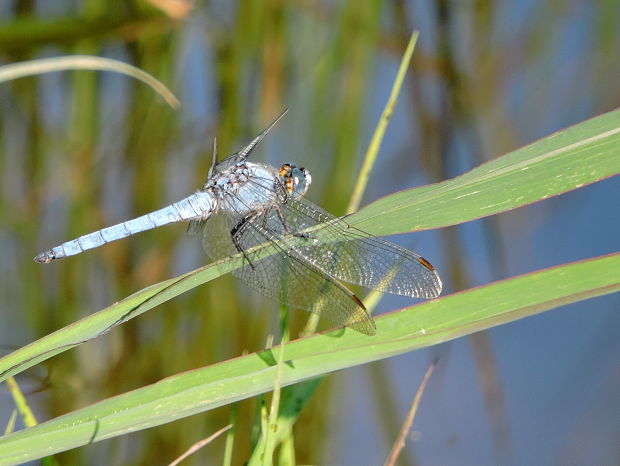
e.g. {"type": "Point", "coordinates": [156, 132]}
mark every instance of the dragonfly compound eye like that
{"type": "Point", "coordinates": [296, 180]}
{"type": "Point", "coordinates": [301, 181]}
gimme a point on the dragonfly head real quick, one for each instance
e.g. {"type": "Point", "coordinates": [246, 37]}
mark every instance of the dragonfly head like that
{"type": "Point", "coordinates": [296, 180]}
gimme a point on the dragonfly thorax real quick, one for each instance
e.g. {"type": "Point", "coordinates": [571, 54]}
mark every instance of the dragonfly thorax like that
{"type": "Point", "coordinates": [245, 187]}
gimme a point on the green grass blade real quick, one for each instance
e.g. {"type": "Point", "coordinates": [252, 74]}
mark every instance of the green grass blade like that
{"type": "Point", "coordinates": [85, 62]}
{"type": "Point", "coordinates": [100, 322]}
{"type": "Point", "coordinates": [564, 161]}
{"type": "Point", "coordinates": [423, 325]}
{"type": "Point", "coordinates": [377, 137]}
{"type": "Point", "coordinates": [28, 417]}
{"type": "Point", "coordinates": [230, 437]}
{"type": "Point", "coordinates": [10, 426]}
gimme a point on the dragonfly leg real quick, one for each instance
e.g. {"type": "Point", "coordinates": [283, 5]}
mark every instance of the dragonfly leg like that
{"type": "Point", "coordinates": [286, 227]}
{"type": "Point", "coordinates": [236, 233]}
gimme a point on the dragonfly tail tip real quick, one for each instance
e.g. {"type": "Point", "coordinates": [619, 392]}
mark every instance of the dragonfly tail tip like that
{"type": "Point", "coordinates": [44, 258]}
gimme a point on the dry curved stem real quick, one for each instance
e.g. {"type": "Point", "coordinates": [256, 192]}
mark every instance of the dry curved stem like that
{"type": "Point", "coordinates": [198, 445]}
{"type": "Point", "coordinates": [400, 441]}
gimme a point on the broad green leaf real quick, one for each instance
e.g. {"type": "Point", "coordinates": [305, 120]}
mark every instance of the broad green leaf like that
{"type": "Point", "coordinates": [426, 324]}
{"type": "Point", "coordinates": [96, 324]}
{"type": "Point", "coordinates": [566, 160]}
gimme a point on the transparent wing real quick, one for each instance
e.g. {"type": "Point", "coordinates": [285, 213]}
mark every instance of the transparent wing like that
{"type": "Point", "coordinates": [279, 272]}
{"type": "Point", "coordinates": [353, 256]}
{"type": "Point", "coordinates": [196, 226]}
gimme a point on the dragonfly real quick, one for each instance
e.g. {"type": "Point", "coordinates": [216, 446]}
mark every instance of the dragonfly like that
{"type": "Point", "coordinates": [290, 249]}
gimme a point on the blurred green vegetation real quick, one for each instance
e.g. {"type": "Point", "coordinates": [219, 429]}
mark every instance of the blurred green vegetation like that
{"type": "Point", "coordinates": [83, 150]}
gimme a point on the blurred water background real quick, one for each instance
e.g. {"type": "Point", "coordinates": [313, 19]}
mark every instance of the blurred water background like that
{"type": "Point", "coordinates": [83, 150]}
